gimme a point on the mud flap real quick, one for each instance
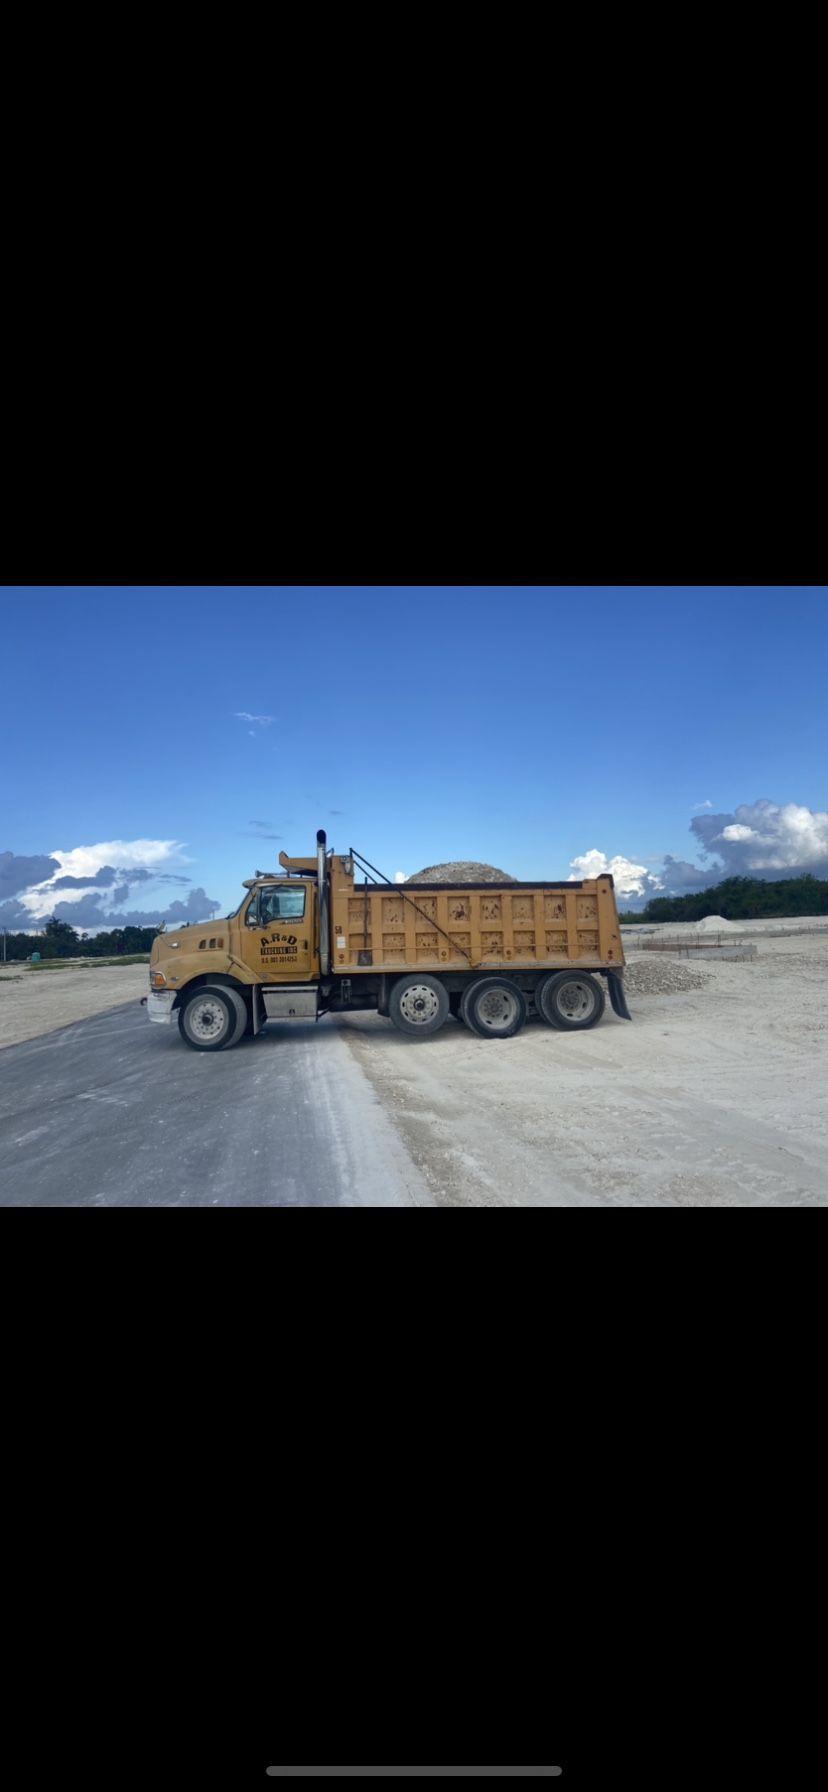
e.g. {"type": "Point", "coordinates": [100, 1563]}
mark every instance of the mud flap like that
{"type": "Point", "coordinates": [615, 984]}
{"type": "Point", "coordinates": [259, 1016]}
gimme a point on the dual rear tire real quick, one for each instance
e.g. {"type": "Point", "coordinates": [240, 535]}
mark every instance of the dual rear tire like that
{"type": "Point", "coordinates": [496, 1007]}
{"type": "Point", "coordinates": [570, 1000]}
{"type": "Point", "coordinates": [491, 1007]}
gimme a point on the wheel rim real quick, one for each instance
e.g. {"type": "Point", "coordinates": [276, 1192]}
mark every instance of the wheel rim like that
{"type": "Point", "coordinates": [497, 1010]}
{"type": "Point", "coordinates": [575, 1001]}
{"type": "Point", "coordinates": [206, 1019]}
{"type": "Point", "coordinates": [419, 1004]}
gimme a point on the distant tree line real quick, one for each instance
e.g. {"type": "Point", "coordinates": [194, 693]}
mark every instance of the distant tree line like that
{"type": "Point", "coordinates": [741, 899]}
{"type": "Point", "coordinates": [58, 940]}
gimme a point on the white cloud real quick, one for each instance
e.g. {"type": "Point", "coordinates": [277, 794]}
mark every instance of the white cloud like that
{"type": "Point", "coordinates": [399, 877]}
{"type": "Point", "coordinates": [765, 837]}
{"type": "Point", "coordinates": [630, 879]}
{"type": "Point", "coordinates": [130, 854]}
{"type": "Point", "coordinates": [242, 715]}
{"type": "Point", "coordinates": [86, 861]}
{"type": "Point", "coordinates": [705, 805]}
{"type": "Point", "coordinates": [761, 839]}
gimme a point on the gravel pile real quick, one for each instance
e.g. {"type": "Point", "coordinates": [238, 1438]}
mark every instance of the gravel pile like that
{"type": "Point", "coordinates": [461, 871]}
{"type": "Point", "coordinates": [659, 976]}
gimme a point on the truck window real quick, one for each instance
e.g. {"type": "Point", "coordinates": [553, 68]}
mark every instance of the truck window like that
{"type": "Point", "coordinates": [281, 905]}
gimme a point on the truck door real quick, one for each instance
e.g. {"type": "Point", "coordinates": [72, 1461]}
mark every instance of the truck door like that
{"type": "Point", "coordinates": [278, 934]}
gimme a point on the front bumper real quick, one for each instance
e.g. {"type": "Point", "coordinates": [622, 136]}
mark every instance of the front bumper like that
{"type": "Point", "coordinates": [159, 1004]}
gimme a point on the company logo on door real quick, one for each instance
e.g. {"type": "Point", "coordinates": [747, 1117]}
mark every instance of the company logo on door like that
{"type": "Point", "coordinates": [281, 945]}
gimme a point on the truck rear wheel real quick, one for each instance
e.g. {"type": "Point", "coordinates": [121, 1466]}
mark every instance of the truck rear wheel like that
{"type": "Point", "coordinates": [418, 1005]}
{"type": "Point", "coordinates": [571, 1000]}
{"type": "Point", "coordinates": [213, 1019]}
{"type": "Point", "coordinates": [494, 1008]}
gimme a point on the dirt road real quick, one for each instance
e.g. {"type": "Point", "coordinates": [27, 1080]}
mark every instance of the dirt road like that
{"type": "Point", "coordinates": [116, 1112]}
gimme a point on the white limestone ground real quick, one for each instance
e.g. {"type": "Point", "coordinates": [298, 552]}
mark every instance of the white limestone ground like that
{"type": "Point", "coordinates": [36, 1002]}
{"type": "Point", "coordinates": [715, 1096]}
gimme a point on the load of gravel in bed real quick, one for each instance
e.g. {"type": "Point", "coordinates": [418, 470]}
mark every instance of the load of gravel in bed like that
{"type": "Point", "coordinates": [461, 871]}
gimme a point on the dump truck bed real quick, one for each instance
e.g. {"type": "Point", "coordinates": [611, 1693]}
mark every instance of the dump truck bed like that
{"type": "Point", "coordinates": [472, 926]}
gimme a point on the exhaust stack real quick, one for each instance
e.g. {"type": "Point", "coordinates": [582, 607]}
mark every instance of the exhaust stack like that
{"type": "Point", "coordinates": [322, 884]}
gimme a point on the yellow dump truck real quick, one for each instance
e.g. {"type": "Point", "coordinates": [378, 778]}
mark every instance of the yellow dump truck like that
{"type": "Point", "coordinates": [312, 940]}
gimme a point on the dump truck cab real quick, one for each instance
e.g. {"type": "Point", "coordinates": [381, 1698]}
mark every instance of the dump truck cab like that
{"type": "Point", "coordinates": [278, 934]}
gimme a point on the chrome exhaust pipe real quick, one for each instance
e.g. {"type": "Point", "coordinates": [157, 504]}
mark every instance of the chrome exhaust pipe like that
{"type": "Point", "coordinates": [324, 919]}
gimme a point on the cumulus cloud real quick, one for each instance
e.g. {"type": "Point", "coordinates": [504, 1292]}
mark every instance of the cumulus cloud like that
{"type": "Point", "coordinates": [89, 913]}
{"type": "Point", "coordinates": [17, 871]}
{"type": "Point", "coordinates": [399, 877]}
{"type": "Point", "coordinates": [88, 886]}
{"type": "Point", "coordinates": [142, 876]}
{"type": "Point", "coordinates": [85, 861]}
{"type": "Point", "coordinates": [680, 876]}
{"type": "Point", "coordinates": [106, 875]}
{"type": "Point", "coordinates": [629, 879]}
{"type": "Point", "coordinates": [198, 907]}
{"type": "Point", "coordinates": [764, 839]}
{"type": "Point", "coordinates": [761, 839]}
{"type": "Point", "coordinates": [14, 916]}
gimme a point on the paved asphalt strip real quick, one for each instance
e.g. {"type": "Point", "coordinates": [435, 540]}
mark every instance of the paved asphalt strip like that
{"type": "Point", "coordinates": [116, 1112]}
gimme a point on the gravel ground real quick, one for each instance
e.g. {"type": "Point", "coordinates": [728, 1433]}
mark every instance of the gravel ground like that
{"type": "Point", "coordinates": [658, 976]}
{"type": "Point", "coordinates": [37, 1002]}
{"type": "Point", "coordinates": [715, 1096]}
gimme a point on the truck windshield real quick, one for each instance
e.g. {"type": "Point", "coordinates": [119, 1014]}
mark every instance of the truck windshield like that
{"type": "Point", "coordinates": [281, 905]}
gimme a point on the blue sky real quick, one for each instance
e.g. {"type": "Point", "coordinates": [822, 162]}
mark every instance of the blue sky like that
{"type": "Point", "coordinates": [180, 728]}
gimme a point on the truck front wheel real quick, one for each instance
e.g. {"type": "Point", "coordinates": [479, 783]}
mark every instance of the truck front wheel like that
{"type": "Point", "coordinates": [418, 1005]}
{"type": "Point", "coordinates": [212, 1019]}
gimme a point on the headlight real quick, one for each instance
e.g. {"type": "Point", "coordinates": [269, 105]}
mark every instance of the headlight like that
{"type": "Point", "coordinates": [157, 979]}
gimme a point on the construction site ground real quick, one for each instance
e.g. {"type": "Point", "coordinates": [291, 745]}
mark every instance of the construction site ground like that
{"type": "Point", "coordinates": [715, 1096]}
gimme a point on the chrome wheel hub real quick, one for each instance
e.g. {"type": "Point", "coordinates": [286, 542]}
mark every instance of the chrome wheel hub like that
{"type": "Point", "coordinates": [576, 1000]}
{"type": "Point", "coordinates": [419, 1004]}
{"type": "Point", "coordinates": [207, 1019]}
{"type": "Point", "coordinates": [497, 1011]}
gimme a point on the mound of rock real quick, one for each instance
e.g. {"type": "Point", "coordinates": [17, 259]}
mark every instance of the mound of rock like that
{"type": "Point", "coordinates": [660, 976]}
{"type": "Point", "coordinates": [461, 871]}
{"type": "Point", "coordinates": [717, 924]}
